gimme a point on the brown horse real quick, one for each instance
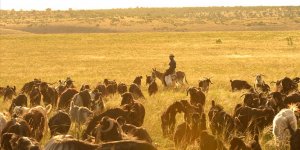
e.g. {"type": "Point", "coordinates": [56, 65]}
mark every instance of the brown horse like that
{"type": "Point", "coordinates": [179, 76]}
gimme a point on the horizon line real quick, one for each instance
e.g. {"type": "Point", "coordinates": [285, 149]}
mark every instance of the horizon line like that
{"type": "Point", "coordinates": [137, 7]}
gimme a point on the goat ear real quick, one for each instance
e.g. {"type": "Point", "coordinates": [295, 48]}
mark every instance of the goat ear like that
{"type": "Point", "coordinates": [213, 103]}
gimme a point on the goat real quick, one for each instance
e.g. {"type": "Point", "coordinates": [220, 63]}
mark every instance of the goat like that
{"type": "Point", "coordinates": [83, 98]}
{"type": "Point", "coordinates": [12, 141]}
{"type": "Point", "coordinates": [66, 98]}
{"type": "Point", "coordinates": [186, 133]}
{"type": "Point", "coordinates": [239, 85]}
{"type": "Point", "coordinates": [78, 114]}
{"type": "Point", "coordinates": [210, 142]}
{"type": "Point", "coordinates": [138, 80]}
{"type": "Point", "coordinates": [238, 144]}
{"type": "Point", "coordinates": [136, 91]}
{"type": "Point", "coordinates": [281, 122]}
{"type": "Point", "coordinates": [20, 100]}
{"type": "Point", "coordinates": [168, 118]}
{"type": "Point", "coordinates": [122, 88]}
{"type": "Point", "coordinates": [196, 96]}
{"type": "Point", "coordinates": [153, 88]}
{"type": "Point", "coordinates": [67, 142]}
{"type": "Point", "coordinates": [59, 123]}
{"type": "Point", "coordinates": [37, 123]}
{"type": "Point", "coordinates": [138, 133]}
{"type": "Point", "coordinates": [204, 84]}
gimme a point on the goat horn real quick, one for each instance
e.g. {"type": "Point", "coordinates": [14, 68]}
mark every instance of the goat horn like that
{"type": "Point", "coordinates": [187, 91]}
{"type": "Point", "coordinates": [111, 125]}
{"type": "Point", "coordinates": [243, 95]}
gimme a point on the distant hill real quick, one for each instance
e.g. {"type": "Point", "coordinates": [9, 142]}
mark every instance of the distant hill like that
{"type": "Point", "coordinates": [153, 20]}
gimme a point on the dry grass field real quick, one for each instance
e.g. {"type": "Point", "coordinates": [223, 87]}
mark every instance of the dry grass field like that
{"type": "Point", "coordinates": [153, 20]}
{"type": "Point", "coordinates": [89, 58]}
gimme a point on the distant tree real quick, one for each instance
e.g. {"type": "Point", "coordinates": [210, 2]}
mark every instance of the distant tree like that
{"type": "Point", "coordinates": [48, 9]}
{"type": "Point", "coordinates": [70, 9]}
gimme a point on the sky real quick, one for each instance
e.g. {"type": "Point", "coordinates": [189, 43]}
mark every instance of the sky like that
{"type": "Point", "coordinates": [108, 4]}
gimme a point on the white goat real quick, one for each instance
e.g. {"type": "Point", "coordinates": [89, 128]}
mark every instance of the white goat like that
{"type": "Point", "coordinates": [281, 122]}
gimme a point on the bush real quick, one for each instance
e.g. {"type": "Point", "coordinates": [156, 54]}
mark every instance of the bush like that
{"type": "Point", "coordinates": [218, 41]}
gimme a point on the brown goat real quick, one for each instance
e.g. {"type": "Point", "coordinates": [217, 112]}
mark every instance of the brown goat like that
{"type": "Point", "coordinates": [122, 88]}
{"type": "Point", "coordinates": [108, 130]}
{"type": "Point", "coordinates": [67, 142]}
{"type": "Point", "coordinates": [50, 95]}
{"type": "Point", "coordinates": [196, 96]}
{"type": "Point", "coordinates": [168, 118]}
{"type": "Point", "coordinates": [221, 123]}
{"type": "Point", "coordinates": [137, 111]}
{"type": "Point", "coordinates": [186, 133]}
{"type": "Point", "coordinates": [27, 87]}
{"type": "Point", "coordinates": [59, 123]}
{"type": "Point", "coordinates": [128, 113]}
{"type": "Point", "coordinates": [37, 123]}
{"type": "Point", "coordinates": [112, 88]}
{"type": "Point", "coordinates": [136, 91]}
{"type": "Point", "coordinates": [239, 85]}
{"type": "Point", "coordinates": [66, 98]}
{"type": "Point", "coordinates": [149, 79]}
{"type": "Point", "coordinates": [138, 133]}
{"type": "Point", "coordinates": [35, 97]}
{"type": "Point", "coordinates": [295, 138]}
{"type": "Point", "coordinates": [238, 144]}
{"type": "Point", "coordinates": [20, 100]}
{"type": "Point", "coordinates": [107, 82]}
{"type": "Point", "coordinates": [102, 89]}
{"type": "Point", "coordinates": [210, 142]}
{"type": "Point", "coordinates": [16, 142]}
{"type": "Point", "coordinates": [85, 87]}
{"type": "Point", "coordinates": [127, 144]}
{"type": "Point", "coordinates": [112, 113]}
{"type": "Point", "coordinates": [204, 84]}
{"type": "Point", "coordinates": [9, 92]}
{"type": "Point", "coordinates": [252, 119]}
{"type": "Point", "coordinates": [138, 80]}
{"type": "Point", "coordinates": [18, 126]}
{"type": "Point", "coordinates": [153, 88]}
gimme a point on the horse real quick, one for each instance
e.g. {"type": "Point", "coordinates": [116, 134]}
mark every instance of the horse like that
{"type": "Point", "coordinates": [178, 77]}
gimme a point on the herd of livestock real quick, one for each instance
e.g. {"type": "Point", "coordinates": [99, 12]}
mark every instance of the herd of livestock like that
{"type": "Point", "coordinates": [29, 119]}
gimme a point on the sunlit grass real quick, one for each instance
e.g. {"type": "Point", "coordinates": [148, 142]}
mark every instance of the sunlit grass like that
{"type": "Point", "coordinates": [89, 58]}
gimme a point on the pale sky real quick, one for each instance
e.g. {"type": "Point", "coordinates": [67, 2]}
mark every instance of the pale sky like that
{"type": "Point", "coordinates": [107, 4]}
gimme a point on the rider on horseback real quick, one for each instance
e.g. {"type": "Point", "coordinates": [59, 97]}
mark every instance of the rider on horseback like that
{"type": "Point", "coordinates": [172, 67]}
